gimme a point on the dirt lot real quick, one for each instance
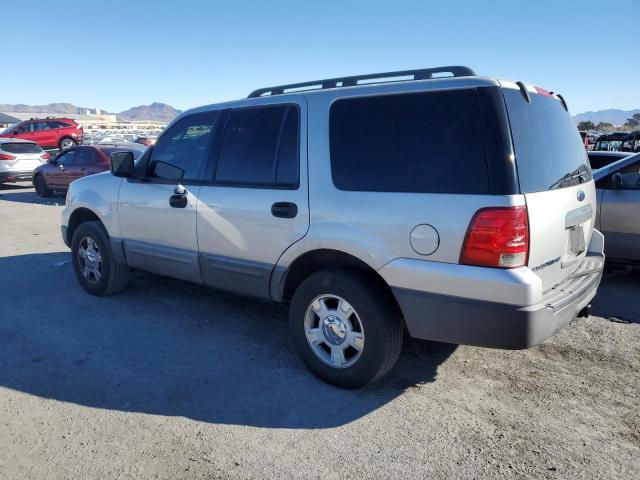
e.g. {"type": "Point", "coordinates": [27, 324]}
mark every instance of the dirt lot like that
{"type": "Point", "coordinates": [170, 380]}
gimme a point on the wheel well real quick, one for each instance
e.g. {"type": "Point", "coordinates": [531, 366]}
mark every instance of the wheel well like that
{"type": "Point", "coordinates": [316, 260]}
{"type": "Point", "coordinates": [81, 215]}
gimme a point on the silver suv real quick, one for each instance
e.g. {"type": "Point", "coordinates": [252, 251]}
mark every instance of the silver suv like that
{"type": "Point", "coordinates": [460, 208]}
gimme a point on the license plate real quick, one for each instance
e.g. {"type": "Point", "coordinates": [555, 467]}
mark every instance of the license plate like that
{"type": "Point", "coordinates": [576, 240]}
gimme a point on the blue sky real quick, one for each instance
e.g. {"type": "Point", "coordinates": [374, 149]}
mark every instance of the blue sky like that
{"type": "Point", "coordinates": [117, 54]}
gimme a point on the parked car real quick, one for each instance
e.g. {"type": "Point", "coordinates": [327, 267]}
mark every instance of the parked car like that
{"type": "Point", "coordinates": [62, 133]}
{"type": "Point", "coordinates": [610, 142]}
{"type": "Point", "coordinates": [72, 164]}
{"type": "Point", "coordinates": [631, 142]}
{"type": "Point", "coordinates": [19, 158]}
{"type": "Point", "coordinates": [602, 159]}
{"type": "Point", "coordinates": [360, 206]}
{"type": "Point", "coordinates": [146, 140]}
{"type": "Point", "coordinates": [618, 190]}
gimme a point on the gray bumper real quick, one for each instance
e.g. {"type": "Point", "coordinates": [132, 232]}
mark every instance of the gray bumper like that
{"type": "Point", "coordinates": [487, 324]}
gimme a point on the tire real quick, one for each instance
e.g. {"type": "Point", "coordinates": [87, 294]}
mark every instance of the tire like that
{"type": "Point", "coordinates": [41, 187]}
{"type": "Point", "coordinates": [373, 312]}
{"type": "Point", "coordinates": [67, 143]}
{"type": "Point", "coordinates": [112, 277]}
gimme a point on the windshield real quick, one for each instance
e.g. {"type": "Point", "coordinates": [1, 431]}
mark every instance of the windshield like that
{"type": "Point", "coordinates": [549, 151]}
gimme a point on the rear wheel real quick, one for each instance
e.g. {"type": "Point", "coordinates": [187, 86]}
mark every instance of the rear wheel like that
{"type": "Point", "coordinates": [93, 261]}
{"type": "Point", "coordinates": [345, 327]}
{"type": "Point", "coordinates": [67, 143]}
{"type": "Point", "coordinates": [41, 186]}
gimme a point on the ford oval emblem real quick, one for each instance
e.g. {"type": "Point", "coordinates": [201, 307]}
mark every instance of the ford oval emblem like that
{"type": "Point", "coordinates": [580, 195]}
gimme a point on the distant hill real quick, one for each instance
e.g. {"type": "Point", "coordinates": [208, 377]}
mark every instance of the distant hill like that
{"type": "Point", "coordinates": [155, 111]}
{"type": "Point", "coordinates": [612, 115]}
{"type": "Point", "coordinates": [59, 108]}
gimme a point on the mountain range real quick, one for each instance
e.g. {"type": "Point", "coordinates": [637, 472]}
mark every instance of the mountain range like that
{"type": "Point", "coordinates": [162, 112]}
{"type": "Point", "coordinates": [156, 111]}
{"type": "Point", "coordinates": [612, 116]}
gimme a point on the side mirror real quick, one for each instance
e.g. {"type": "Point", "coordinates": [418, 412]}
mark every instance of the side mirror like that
{"type": "Point", "coordinates": [616, 181]}
{"type": "Point", "coordinates": [121, 164]}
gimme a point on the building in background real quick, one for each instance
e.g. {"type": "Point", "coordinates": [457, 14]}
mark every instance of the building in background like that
{"type": "Point", "coordinates": [7, 120]}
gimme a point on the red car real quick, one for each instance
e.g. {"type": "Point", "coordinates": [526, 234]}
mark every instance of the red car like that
{"type": "Point", "coordinates": [60, 171]}
{"type": "Point", "coordinates": [62, 133]}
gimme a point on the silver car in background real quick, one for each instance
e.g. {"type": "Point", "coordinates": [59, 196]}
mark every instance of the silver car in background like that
{"type": "Point", "coordinates": [618, 191]}
{"type": "Point", "coordinates": [19, 158]}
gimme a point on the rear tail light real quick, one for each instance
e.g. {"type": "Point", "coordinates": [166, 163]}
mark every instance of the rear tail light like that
{"type": "Point", "coordinates": [497, 237]}
{"type": "Point", "coordinates": [4, 156]}
{"type": "Point", "coordinates": [45, 156]}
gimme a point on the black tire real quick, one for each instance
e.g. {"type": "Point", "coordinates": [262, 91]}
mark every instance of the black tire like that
{"type": "Point", "coordinates": [41, 187]}
{"type": "Point", "coordinates": [378, 314]}
{"type": "Point", "coordinates": [69, 142]}
{"type": "Point", "coordinates": [114, 277]}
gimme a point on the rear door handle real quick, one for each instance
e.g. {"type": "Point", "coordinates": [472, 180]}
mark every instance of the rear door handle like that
{"type": "Point", "coordinates": [284, 210]}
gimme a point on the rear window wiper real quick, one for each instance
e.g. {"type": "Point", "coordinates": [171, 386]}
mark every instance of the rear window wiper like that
{"type": "Point", "coordinates": [580, 174]}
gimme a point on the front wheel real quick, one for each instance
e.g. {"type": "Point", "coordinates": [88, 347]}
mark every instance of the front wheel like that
{"type": "Point", "coordinates": [67, 143]}
{"type": "Point", "coordinates": [345, 327]}
{"type": "Point", "coordinates": [42, 190]}
{"type": "Point", "coordinates": [93, 261]}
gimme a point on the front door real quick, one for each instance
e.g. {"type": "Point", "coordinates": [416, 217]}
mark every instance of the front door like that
{"type": "Point", "coordinates": [620, 214]}
{"type": "Point", "coordinates": [57, 177]}
{"type": "Point", "coordinates": [254, 204]}
{"type": "Point", "coordinates": [157, 211]}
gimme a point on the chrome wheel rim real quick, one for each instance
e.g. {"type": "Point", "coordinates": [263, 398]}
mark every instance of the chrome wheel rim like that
{"type": "Point", "coordinates": [66, 144]}
{"type": "Point", "coordinates": [90, 260]}
{"type": "Point", "coordinates": [334, 331]}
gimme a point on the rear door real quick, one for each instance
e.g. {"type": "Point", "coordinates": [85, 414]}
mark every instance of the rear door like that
{"type": "Point", "coordinates": [81, 161]}
{"type": "Point", "coordinates": [556, 180]}
{"type": "Point", "coordinates": [620, 214]}
{"type": "Point", "coordinates": [254, 204]}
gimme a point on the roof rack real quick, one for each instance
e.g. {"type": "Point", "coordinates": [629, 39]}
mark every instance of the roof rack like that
{"type": "Point", "coordinates": [385, 77]}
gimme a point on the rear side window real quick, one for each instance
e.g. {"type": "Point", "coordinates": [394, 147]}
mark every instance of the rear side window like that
{"type": "Point", "coordinates": [428, 142]}
{"type": "Point", "coordinates": [260, 147]}
{"type": "Point", "coordinates": [20, 147]}
{"type": "Point", "coordinates": [549, 151]}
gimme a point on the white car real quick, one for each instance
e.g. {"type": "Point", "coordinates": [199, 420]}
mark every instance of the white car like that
{"type": "Point", "coordinates": [19, 158]}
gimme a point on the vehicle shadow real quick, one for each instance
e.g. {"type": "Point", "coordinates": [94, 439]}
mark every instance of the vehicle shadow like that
{"type": "Point", "coordinates": [31, 197]}
{"type": "Point", "coordinates": [617, 296]}
{"type": "Point", "coordinates": [15, 186]}
{"type": "Point", "coordinates": [171, 348]}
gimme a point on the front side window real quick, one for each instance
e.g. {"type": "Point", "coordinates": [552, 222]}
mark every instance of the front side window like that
{"type": "Point", "coordinates": [181, 151]}
{"type": "Point", "coordinates": [260, 147]}
{"type": "Point", "coordinates": [66, 158]}
{"type": "Point", "coordinates": [427, 142]}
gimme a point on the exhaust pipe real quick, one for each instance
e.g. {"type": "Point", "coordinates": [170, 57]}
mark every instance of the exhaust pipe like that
{"type": "Point", "coordinates": [585, 312]}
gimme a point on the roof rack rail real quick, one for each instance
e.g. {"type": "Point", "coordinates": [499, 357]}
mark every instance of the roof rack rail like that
{"type": "Point", "coordinates": [385, 77]}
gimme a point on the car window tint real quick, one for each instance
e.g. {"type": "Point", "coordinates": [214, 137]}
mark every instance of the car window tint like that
{"type": "Point", "coordinates": [83, 156]}
{"type": "Point", "coordinates": [416, 142]}
{"type": "Point", "coordinates": [41, 126]}
{"type": "Point", "coordinates": [66, 158]}
{"type": "Point", "coordinates": [181, 150]}
{"type": "Point", "coordinates": [260, 147]}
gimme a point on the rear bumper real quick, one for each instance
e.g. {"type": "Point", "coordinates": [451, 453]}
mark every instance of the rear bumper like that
{"type": "Point", "coordinates": [454, 319]}
{"type": "Point", "coordinates": [16, 176]}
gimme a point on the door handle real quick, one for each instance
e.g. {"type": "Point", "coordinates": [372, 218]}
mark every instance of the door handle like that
{"type": "Point", "coordinates": [284, 210]}
{"type": "Point", "coordinates": [178, 201]}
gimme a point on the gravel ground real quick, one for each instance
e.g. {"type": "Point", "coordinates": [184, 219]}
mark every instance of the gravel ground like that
{"type": "Point", "coordinates": [170, 380]}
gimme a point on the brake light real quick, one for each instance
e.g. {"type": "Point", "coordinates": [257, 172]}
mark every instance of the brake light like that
{"type": "Point", "coordinates": [497, 237]}
{"type": "Point", "coordinates": [45, 156]}
{"type": "Point", "coordinates": [4, 156]}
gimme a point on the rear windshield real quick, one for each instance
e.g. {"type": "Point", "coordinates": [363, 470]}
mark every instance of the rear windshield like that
{"type": "Point", "coordinates": [20, 147]}
{"type": "Point", "coordinates": [549, 151]}
{"type": "Point", "coordinates": [427, 142]}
